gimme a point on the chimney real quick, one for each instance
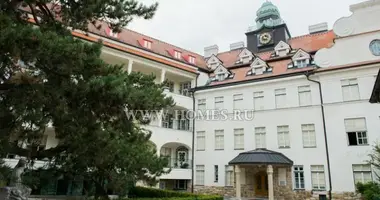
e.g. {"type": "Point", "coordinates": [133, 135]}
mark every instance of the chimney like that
{"type": "Point", "coordinates": [214, 49]}
{"type": "Point", "coordinates": [236, 45]}
{"type": "Point", "coordinates": [318, 28]}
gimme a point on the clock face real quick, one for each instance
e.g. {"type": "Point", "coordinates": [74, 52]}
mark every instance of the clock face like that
{"type": "Point", "coordinates": [375, 47]}
{"type": "Point", "coordinates": [265, 38]}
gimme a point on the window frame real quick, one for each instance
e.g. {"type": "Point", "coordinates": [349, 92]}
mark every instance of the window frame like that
{"type": "Point", "coordinates": [147, 44]}
{"type": "Point", "coordinates": [217, 101]}
{"type": "Point", "coordinates": [319, 172]}
{"type": "Point", "coordinates": [177, 54]}
{"type": "Point", "coordinates": [219, 133]}
{"type": "Point", "coordinates": [304, 90]}
{"type": "Point", "coordinates": [201, 102]}
{"type": "Point", "coordinates": [297, 170]}
{"type": "Point", "coordinates": [281, 92]}
{"type": "Point", "coordinates": [309, 131]}
{"type": "Point", "coordinates": [365, 131]}
{"type": "Point", "coordinates": [283, 133]}
{"type": "Point", "coordinates": [259, 95]}
{"type": "Point", "coordinates": [200, 169]}
{"type": "Point", "coordinates": [262, 136]}
{"type": "Point", "coordinates": [237, 98]}
{"type": "Point", "coordinates": [362, 172]}
{"type": "Point", "coordinates": [192, 59]}
{"type": "Point", "coordinates": [216, 173]}
{"type": "Point", "coordinates": [229, 176]}
{"type": "Point", "coordinates": [350, 83]}
{"type": "Point", "coordinates": [201, 134]}
{"type": "Point", "coordinates": [239, 134]}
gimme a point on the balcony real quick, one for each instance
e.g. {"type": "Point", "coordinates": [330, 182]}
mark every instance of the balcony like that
{"type": "Point", "coordinates": [178, 155]}
{"type": "Point", "coordinates": [182, 99]}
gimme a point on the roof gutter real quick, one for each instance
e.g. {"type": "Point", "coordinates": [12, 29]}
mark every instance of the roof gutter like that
{"type": "Point", "coordinates": [307, 74]}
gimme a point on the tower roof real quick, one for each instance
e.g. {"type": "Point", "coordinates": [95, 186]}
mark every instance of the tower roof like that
{"type": "Point", "coordinates": [267, 10]}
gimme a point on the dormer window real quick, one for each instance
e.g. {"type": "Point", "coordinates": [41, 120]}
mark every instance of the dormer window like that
{"type": "Point", "coordinates": [301, 59]}
{"type": "Point", "coordinates": [245, 56]}
{"type": "Point", "coordinates": [220, 77]}
{"type": "Point", "coordinates": [147, 44]}
{"type": "Point", "coordinates": [177, 54]}
{"type": "Point", "coordinates": [192, 59]}
{"type": "Point", "coordinates": [259, 67]}
{"type": "Point", "coordinates": [213, 62]}
{"type": "Point", "coordinates": [282, 49]}
{"type": "Point", "coordinates": [221, 73]}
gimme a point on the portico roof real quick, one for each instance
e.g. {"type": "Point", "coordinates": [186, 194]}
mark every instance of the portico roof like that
{"type": "Point", "coordinates": [375, 98]}
{"type": "Point", "coordinates": [261, 156]}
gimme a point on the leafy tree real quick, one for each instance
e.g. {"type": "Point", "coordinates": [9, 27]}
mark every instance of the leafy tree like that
{"type": "Point", "coordinates": [375, 159]}
{"type": "Point", "coordinates": [50, 81]}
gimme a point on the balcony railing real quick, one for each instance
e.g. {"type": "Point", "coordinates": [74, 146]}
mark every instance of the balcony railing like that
{"type": "Point", "coordinates": [183, 125]}
{"type": "Point", "coordinates": [179, 164]}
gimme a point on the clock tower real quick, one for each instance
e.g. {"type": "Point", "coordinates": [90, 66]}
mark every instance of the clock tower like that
{"type": "Point", "coordinates": [270, 29]}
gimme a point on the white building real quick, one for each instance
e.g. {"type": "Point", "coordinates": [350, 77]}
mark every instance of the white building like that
{"type": "Point", "coordinates": [268, 79]}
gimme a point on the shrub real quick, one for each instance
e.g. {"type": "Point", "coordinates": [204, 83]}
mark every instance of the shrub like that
{"type": "Point", "coordinates": [143, 193]}
{"type": "Point", "coordinates": [370, 191]}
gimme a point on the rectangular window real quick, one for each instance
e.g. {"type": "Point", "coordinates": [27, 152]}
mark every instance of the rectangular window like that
{"type": "Point", "coordinates": [147, 44]}
{"type": "Point", "coordinates": [180, 185]}
{"type": "Point", "coordinates": [238, 99]}
{"type": "Point", "coordinates": [170, 85]}
{"type": "Point", "coordinates": [192, 59]}
{"type": "Point", "coordinates": [350, 89]}
{"type": "Point", "coordinates": [184, 88]}
{"type": "Point", "coordinates": [308, 135]}
{"type": "Point", "coordinates": [200, 175]}
{"type": "Point", "coordinates": [221, 77]}
{"type": "Point", "coordinates": [219, 103]}
{"type": "Point", "coordinates": [216, 173]}
{"type": "Point", "coordinates": [167, 120]}
{"type": "Point", "coordinates": [201, 104]}
{"type": "Point", "coordinates": [299, 178]}
{"type": "Point", "coordinates": [229, 175]}
{"type": "Point", "coordinates": [201, 140]}
{"type": "Point", "coordinates": [356, 131]}
{"type": "Point", "coordinates": [260, 137]}
{"type": "Point", "coordinates": [304, 95]}
{"type": "Point", "coordinates": [283, 136]}
{"type": "Point", "coordinates": [258, 70]}
{"type": "Point", "coordinates": [280, 95]}
{"type": "Point", "coordinates": [362, 173]}
{"type": "Point", "coordinates": [177, 54]}
{"type": "Point", "coordinates": [318, 181]}
{"type": "Point", "coordinates": [239, 139]}
{"type": "Point", "coordinates": [301, 63]}
{"type": "Point", "coordinates": [258, 100]}
{"type": "Point", "coordinates": [219, 139]}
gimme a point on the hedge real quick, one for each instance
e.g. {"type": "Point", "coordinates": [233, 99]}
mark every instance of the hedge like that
{"type": "Point", "coordinates": [143, 193]}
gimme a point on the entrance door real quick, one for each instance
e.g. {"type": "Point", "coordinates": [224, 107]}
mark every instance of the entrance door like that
{"type": "Point", "coordinates": [261, 184]}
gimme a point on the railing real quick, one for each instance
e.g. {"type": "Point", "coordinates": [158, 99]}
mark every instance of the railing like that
{"type": "Point", "coordinates": [179, 164]}
{"type": "Point", "coordinates": [183, 125]}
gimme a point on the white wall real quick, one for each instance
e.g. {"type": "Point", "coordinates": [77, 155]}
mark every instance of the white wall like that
{"type": "Point", "coordinates": [342, 156]}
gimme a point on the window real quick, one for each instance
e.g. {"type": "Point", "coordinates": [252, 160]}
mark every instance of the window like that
{"type": "Point", "coordinates": [219, 103]}
{"type": "Point", "coordinates": [201, 140]}
{"type": "Point", "coordinates": [299, 178]}
{"type": "Point", "coordinates": [258, 100]}
{"type": "Point", "coordinates": [280, 97]}
{"type": "Point", "coordinates": [170, 85]}
{"type": "Point", "coordinates": [147, 44]}
{"type": "Point", "coordinates": [356, 131]}
{"type": "Point", "coordinates": [177, 54]}
{"type": "Point", "coordinates": [283, 136]}
{"type": "Point", "coordinates": [229, 175]}
{"type": "Point", "coordinates": [216, 173]}
{"type": "Point", "coordinates": [180, 185]}
{"type": "Point", "coordinates": [201, 104]}
{"type": "Point", "coordinates": [192, 59]}
{"type": "Point", "coordinates": [350, 89]}
{"type": "Point", "coordinates": [318, 177]}
{"type": "Point", "coordinates": [260, 137]}
{"type": "Point", "coordinates": [167, 120]}
{"type": "Point", "coordinates": [239, 139]}
{"type": "Point", "coordinates": [362, 173]}
{"type": "Point", "coordinates": [200, 175]}
{"type": "Point", "coordinates": [219, 139]}
{"type": "Point", "coordinates": [304, 95]}
{"type": "Point", "coordinates": [301, 63]}
{"type": "Point", "coordinates": [220, 77]}
{"type": "Point", "coordinates": [308, 135]}
{"type": "Point", "coordinates": [184, 88]}
{"type": "Point", "coordinates": [238, 98]}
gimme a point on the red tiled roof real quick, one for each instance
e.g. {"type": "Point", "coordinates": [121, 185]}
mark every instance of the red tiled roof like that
{"type": "Point", "coordinates": [309, 43]}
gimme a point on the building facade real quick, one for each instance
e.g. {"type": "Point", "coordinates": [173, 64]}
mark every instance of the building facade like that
{"type": "Point", "coordinates": [303, 97]}
{"type": "Point", "coordinates": [282, 117]}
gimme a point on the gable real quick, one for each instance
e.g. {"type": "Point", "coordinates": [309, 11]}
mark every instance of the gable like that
{"type": "Point", "coordinates": [301, 55]}
{"type": "Point", "coordinates": [213, 62]}
{"type": "Point", "coordinates": [221, 70]}
{"type": "Point", "coordinates": [282, 49]}
{"type": "Point", "coordinates": [245, 56]}
{"type": "Point", "coordinates": [258, 62]}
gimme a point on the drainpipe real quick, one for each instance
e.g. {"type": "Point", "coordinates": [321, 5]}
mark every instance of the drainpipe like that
{"type": "Point", "coordinates": [193, 136]}
{"type": "Point", "coordinates": [307, 74]}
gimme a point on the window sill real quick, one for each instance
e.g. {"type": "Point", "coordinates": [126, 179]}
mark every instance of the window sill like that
{"type": "Point", "coordinates": [359, 145]}
{"type": "Point", "coordinates": [311, 147]}
{"type": "Point", "coordinates": [238, 149]}
{"type": "Point", "coordinates": [201, 149]}
{"type": "Point", "coordinates": [296, 189]}
{"type": "Point", "coordinates": [219, 149]}
{"type": "Point", "coordinates": [284, 147]}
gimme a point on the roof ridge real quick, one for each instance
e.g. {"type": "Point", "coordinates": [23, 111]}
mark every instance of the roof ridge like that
{"type": "Point", "coordinates": [158, 40]}
{"type": "Point", "coordinates": [312, 34]}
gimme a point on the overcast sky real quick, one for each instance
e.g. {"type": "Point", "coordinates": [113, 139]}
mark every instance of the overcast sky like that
{"type": "Point", "coordinates": [195, 24]}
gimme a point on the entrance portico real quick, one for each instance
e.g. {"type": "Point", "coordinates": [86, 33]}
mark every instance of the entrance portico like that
{"type": "Point", "coordinates": [262, 173]}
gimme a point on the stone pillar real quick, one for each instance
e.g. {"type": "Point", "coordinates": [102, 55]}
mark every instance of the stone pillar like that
{"type": "Point", "coordinates": [270, 182]}
{"type": "Point", "coordinates": [130, 63]}
{"type": "Point", "coordinates": [163, 73]}
{"type": "Point", "coordinates": [238, 183]}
